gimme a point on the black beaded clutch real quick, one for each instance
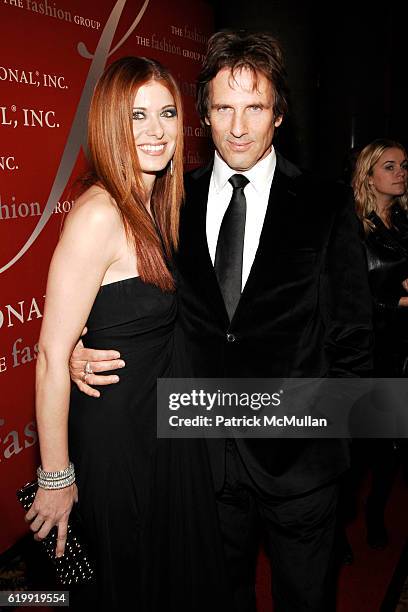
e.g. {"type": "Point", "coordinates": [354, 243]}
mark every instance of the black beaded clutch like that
{"type": "Point", "coordinates": [75, 566]}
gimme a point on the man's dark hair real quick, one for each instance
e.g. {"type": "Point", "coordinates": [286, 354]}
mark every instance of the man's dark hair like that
{"type": "Point", "coordinates": [258, 52]}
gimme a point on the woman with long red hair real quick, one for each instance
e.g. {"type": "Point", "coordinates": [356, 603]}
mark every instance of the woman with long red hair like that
{"type": "Point", "coordinates": [147, 505]}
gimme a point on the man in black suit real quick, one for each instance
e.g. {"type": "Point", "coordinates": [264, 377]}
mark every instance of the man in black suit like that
{"type": "Point", "coordinates": [272, 283]}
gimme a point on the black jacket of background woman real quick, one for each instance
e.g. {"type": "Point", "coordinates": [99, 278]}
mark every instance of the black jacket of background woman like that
{"type": "Point", "coordinates": [387, 256]}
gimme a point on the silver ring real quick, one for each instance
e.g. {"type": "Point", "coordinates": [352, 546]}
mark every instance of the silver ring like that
{"type": "Point", "coordinates": [88, 369]}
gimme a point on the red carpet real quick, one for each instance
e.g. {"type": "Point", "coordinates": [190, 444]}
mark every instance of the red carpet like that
{"type": "Point", "coordinates": [362, 585]}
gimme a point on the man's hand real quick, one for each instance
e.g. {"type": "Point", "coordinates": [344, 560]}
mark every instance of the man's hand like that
{"type": "Point", "coordinates": [99, 361]}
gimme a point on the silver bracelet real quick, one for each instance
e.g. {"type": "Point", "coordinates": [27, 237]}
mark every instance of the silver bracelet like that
{"type": "Point", "coordinates": [59, 475]}
{"type": "Point", "coordinates": [62, 483]}
{"type": "Point", "coordinates": [58, 479]}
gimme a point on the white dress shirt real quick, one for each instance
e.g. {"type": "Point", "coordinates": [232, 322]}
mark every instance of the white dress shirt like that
{"type": "Point", "coordinates": [256, 194]}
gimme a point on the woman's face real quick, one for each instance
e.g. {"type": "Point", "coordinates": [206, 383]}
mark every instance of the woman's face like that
{"type": "Point", "coordinates": [389, 176]}
{"type": "Point", "coordinates": [155, 128]}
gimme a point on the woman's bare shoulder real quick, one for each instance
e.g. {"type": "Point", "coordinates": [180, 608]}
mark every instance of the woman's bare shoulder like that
{"type": "Point", "coordinates": [96, 209]}
{"type": "Point", "coordinates": [96, 201]}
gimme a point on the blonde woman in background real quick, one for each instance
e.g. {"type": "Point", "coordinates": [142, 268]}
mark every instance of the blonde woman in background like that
{"type": "Point", "coordinates": [380, 191]}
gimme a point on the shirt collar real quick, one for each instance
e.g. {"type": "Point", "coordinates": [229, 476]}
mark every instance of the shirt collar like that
{"type": "Point", "coordinates": [260, 175]}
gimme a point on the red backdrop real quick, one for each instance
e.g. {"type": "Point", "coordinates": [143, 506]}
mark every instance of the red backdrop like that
{"type": "Point", "coordinates": [51, 54]}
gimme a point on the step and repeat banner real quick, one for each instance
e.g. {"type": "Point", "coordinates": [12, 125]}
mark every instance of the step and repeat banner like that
{"type": "Point", "coordinates": [51, 55]}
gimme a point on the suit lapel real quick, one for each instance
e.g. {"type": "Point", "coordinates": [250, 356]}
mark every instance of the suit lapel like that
{"type": "Point", "coordinates": [194, 238]}
{"type": "Point", "coordinates": [271, 234]}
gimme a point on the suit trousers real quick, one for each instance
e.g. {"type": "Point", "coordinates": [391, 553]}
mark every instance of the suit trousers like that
{"type": "Point", "coordinates": [298, 535]}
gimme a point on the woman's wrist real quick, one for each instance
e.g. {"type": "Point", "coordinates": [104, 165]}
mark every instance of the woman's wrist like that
{"type": "Point", "coordinates": [58, 479]}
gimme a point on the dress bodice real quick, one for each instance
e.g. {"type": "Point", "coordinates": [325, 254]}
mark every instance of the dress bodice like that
{"type": "Point", "coordinates": [128, 314]}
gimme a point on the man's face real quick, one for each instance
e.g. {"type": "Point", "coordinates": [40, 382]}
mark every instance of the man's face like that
{"type": "Point", "coordinates": [241, 117]}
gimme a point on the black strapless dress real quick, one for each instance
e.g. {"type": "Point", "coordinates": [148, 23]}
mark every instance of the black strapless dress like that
{"type": "Point", "coordinates": [147, 505]}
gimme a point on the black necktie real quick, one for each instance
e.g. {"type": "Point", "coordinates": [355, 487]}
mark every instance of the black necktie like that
{"type": "Point", "coordinates": [230, 245]}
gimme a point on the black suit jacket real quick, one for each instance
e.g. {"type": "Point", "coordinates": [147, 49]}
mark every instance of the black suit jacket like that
{"type": "Point", "coordinates": [305, 311]}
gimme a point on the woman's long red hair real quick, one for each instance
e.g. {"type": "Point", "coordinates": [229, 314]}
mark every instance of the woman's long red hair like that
{"type": "Point", "coordinates": [115, 165]}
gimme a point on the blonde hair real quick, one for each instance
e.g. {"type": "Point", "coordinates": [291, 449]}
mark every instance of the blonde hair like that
{"type": "Point", "coordinates": [364, 195]}
{"type": "Point", "coordinates": [115, 165]}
